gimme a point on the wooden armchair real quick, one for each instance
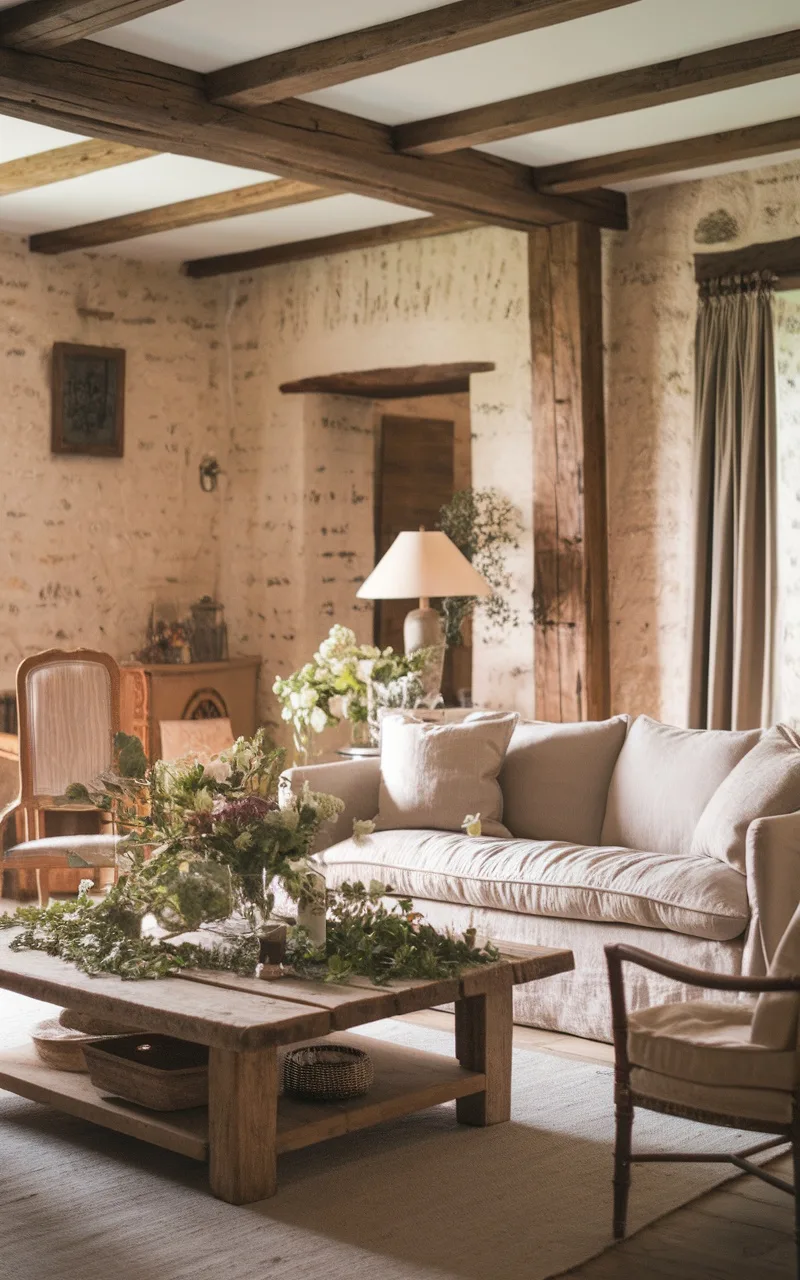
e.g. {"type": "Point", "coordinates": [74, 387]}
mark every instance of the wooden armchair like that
{"type": "Point", "coordinates": [733, 1065]}
{"type": "Point", "coordinates": [68, 708]}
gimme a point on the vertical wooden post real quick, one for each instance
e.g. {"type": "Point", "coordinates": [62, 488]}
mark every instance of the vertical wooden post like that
{"type": "Point", "coordinates": [569, 521]}
{"type": "Point", "coordinates": [242, 1123]}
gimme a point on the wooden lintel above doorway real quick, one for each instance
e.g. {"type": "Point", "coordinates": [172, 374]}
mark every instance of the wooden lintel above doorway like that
{"type": "Point", "coordinates": [393, 384]}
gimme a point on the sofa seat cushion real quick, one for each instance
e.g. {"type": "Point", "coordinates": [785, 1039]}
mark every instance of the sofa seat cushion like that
{"type": "Point", "coordinates": [697, 896]}
{"type": "Point", "coordinates": [770, 1106]}
{"type": "Point", "coordinates": [707, 1043]}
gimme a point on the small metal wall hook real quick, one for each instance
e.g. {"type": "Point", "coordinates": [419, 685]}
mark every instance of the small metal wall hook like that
{"type": "Point", "coordinates": [210, 471]}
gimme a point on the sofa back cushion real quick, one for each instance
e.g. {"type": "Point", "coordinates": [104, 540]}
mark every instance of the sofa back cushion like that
{"type": "Point", "coordinates": [433, 775]}
{"type": "Point", "coordinates": [663, 779]}
{"type": "Point", "coordinates": [555, 778]}
{"type": "Point", "coordinates": [776, 1013]}
{"type": "Point", "coordinates": [764, 784]}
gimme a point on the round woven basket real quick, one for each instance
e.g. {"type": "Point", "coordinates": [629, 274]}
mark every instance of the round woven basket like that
{"type": "Point", "coordinates": [327, 1072]}
{"type": "Point", "coordinates": [59, 1046]}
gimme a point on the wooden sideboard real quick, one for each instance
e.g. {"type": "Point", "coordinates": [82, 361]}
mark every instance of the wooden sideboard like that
{"type": "Point", "coordinates": [151, 692]}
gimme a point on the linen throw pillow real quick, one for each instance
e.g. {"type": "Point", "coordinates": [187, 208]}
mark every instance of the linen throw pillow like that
{"type": "Point", "coordinates": [555, 778]}
{"type": "Point", "coordinates": [765, 783]}
{"type": "Point", "coordinates": [433, 775]}
{"type": "Point", "coordinates": [663, 780]}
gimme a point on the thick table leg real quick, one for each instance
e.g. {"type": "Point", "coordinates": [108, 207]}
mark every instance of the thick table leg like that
{"type": "Point", "coordinates": [242, 1120]}
{"type": "Point", "coordinates": [484, 1026]}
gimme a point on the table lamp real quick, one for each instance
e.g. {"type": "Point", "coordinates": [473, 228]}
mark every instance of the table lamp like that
{"type": "Point", "coordinates": [423, 564]}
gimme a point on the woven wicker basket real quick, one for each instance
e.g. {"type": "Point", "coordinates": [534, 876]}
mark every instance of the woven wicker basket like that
{"type": "Point", "coordinates": [327, 1072]}
{"type": "Point", "coordinates": [59, 1046]}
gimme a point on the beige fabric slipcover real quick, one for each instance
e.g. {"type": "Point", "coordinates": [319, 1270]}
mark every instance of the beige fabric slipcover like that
{"type": "Point", "coordinates": [707, 1043]}
{"type": "Point", "coordinates": [768, 1105]}
{"type": "Point", "coordinates": [776, 1013]}
{"type": "Point", "coordinates": [555, 778]}
{"type": "Point", "coordinates": [663, 779]}
{"type": "Point", "coordinates": [697, 896]}
{"type": "Point", "coordinates": [766, 782]}
{"type": "Point", "coordinates": [434, 775]}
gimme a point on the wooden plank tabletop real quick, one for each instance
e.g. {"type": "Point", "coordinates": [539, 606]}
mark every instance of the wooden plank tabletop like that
{"type": "Point", "coordinates": [229, 1011]}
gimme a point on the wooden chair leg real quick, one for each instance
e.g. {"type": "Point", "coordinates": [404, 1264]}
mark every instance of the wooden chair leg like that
{"type": "Point", "coordinates": [622, 1159]}
{"type": "Point", "coordinates": [796, 1169]}
{"type": "Point", "coordinates": [43, 886]}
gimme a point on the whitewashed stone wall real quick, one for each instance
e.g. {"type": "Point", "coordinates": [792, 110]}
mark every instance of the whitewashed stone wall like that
{"type": "Point", "coordinates": [650, 316]}
{"type": "Point", "coordinates": [451, 299]}
{"type": "Point", "coordinates": [87, 543]}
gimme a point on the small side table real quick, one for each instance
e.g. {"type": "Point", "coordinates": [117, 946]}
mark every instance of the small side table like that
{"type": "Point", "coordinates": [358, 753]}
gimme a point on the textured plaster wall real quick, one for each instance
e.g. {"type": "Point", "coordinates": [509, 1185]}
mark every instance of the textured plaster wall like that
{"type": "Point", "coordinates": [650, 315]}
{"type": "Point", "coordinates": [451, 299]}
{"type": "Point", "coordinates": [87, 543]}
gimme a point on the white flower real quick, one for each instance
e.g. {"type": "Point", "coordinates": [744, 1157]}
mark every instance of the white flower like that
{"type": "Point", "coordinates": [362, 827]}
{"type": "Point", "coordinates": [308, 697]}
{"type": "Point", "coordinates": [219, 770]}
{"type": "Point", "coordinates": [472, 824]}
{"type": "Point", "coordinates": [295, 701]}
{"type": "Point", "coordinates": [286, 714]}
{"type": "Point", "coordinates": [364, 669]}
{"type": "Point", "coordinates": [318, 720]}
{"type": "Point", "coordinates": [337, 706]}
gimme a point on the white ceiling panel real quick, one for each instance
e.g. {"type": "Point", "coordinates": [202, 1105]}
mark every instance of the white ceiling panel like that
{"type": "Point", "coordinates": [205, 35]}
{"type": "Point", "coordinates": [144, 184]}
{"type": "Point", "coordinates": [634, 35]}
{"type": "Point", "coordinates": [734, 109]}
{"type": "Point", "coordinates": [22, 138]}
{"type": "Point", "coordinates": [257, 230]}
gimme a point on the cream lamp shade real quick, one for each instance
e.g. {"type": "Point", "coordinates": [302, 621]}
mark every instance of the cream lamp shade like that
{"type": "Point", "coordinates": [423, 564]}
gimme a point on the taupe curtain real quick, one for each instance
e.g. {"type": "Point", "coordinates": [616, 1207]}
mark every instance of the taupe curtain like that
{"type": "Point", "coordinates": [734, 568]}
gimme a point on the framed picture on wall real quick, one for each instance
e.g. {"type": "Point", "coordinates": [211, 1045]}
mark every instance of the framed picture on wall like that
{"type": "Point", "coordinates": [88, 400]}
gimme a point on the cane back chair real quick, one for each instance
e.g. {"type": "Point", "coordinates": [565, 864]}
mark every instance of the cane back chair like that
{"type": "Point", "coordinates": [68, 713]}
{"type": "Point", "coordinates": [735, 1065]}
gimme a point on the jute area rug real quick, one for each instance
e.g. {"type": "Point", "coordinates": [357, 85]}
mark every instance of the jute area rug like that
{"type": "Point", "coordinates": [418, 1199]}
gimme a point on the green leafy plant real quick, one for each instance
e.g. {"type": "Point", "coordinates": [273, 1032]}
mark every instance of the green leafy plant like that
{"type": "Point", "coordinates": [485, 526]}
{"type": "Point", "coordinates": [369, 939]}
{"type": "Point", "coordinates": [200, 843]}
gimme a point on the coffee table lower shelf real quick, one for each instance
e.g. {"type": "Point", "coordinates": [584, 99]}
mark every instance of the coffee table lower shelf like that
{"type": "Point", "coordinates": [406, 1080]}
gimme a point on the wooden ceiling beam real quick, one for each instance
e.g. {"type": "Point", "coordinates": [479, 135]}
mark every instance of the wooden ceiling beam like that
{"type": "Point", "coordinates": [713, 71]}
{"type": "Point", "coordinates": [780, 257]}
{"type": "Point", "coordinates": [321, 246]}
{"type": "Point", "coordinates": [122, 97]}
{"type": "Point", "coordinates": [390, 44]}
{"type": "Point", "coordinates": [670, 157]}
{"type": "Point", "coordinates": [44, 24]}
{"type": "Point", "coordinates": [258, 198]}
{"type": "Point", "coordinates": [62, 163]}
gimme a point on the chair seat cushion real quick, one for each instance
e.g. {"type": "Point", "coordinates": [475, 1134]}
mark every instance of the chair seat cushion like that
{"type": "Point", "coordinates": [77, 851]}
{"type": "Point", "coordinates": [697, 896]}
{"type": "Point", "coordinates": [707, 1043]}
{"type": "Point", "coordinates": [768, 1106]}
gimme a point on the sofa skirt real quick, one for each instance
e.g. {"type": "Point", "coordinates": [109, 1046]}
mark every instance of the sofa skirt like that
{"type": "Point", "coordinates": [577, 1003]}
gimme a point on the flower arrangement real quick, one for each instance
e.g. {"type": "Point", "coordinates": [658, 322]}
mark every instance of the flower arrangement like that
{"type": "Point", "coordinates": [334, 685]}
{"type": "Point", "coordinates": [202, 843]}
{"type": "Point", "coordinates": [207, 845]}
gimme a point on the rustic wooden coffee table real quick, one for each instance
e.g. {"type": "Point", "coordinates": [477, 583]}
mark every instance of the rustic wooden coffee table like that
{"type": "Point", "coordinates": [246, 1022]}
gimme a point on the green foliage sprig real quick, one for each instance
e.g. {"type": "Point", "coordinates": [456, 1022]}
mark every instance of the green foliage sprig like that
{"type": "Point", "coordinates": [485, 526]}
{"type": "Point", "coordinates": [365, 938]}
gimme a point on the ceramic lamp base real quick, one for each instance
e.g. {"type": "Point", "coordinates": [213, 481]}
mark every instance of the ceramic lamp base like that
{"type": "Point", "coordinates": [422, 629]}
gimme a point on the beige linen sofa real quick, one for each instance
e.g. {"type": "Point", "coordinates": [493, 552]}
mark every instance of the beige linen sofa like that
{"type": "Point", "coordinates": [685, 843]}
